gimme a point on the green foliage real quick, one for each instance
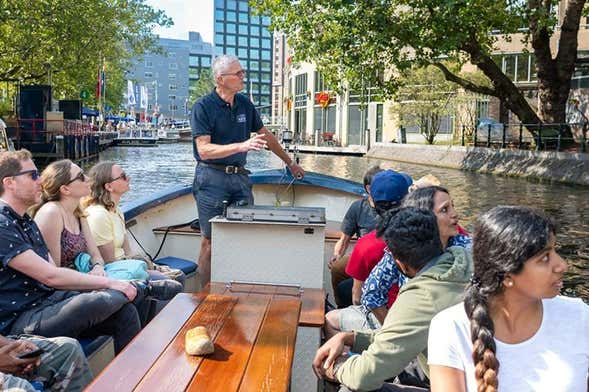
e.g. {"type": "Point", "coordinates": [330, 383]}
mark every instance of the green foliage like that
{"type": "Point", "coordinates": [203, 86]}
{"type": "Point", "coordinates": [376, 41]}
{"type": "Point", "coordinates": [71, 38]}
{"type": "Point", "coordinates": [424, 99]}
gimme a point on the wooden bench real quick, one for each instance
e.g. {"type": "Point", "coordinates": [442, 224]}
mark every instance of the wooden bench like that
{"type": "Point", "coordinates": [254, 329]}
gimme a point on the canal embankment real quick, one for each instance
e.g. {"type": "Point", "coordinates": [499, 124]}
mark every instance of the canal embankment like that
{"type": "Point", "coordinates": [565, 167]}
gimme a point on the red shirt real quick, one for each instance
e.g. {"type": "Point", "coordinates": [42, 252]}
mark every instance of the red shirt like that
{"type": "Point", "coordinates": [366, 254]}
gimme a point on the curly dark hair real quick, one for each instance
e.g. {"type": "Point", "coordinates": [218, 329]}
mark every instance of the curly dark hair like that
{"type": "Point", "coordinates": [412, 235]}
{"type": "Point", "coordinates": [504, 239]}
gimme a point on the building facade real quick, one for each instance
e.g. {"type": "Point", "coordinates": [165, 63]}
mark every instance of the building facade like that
{"type": "Point", "coordinates": [171, 75]}
{"type": "Point", "coordinates": [318, 115]}
{"type": "Point", "coordinates": [241, 33]}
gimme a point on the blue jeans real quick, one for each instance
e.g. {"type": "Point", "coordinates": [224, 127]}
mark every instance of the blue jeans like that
{"type": "Point", "coordinates": [87, 314]}
{"type": "Point", "coordinates": [211, 187]}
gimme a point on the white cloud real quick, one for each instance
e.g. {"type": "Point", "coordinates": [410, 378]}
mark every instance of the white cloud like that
{"type": "Point", "coordinates": [188, 15]}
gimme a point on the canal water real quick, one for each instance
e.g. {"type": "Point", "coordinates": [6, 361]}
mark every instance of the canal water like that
{"type": "Point", "coordinates": [156, 168]}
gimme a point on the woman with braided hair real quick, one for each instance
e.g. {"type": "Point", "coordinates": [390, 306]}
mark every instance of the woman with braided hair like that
{"type": "Point", "coordinates": [513, 332]}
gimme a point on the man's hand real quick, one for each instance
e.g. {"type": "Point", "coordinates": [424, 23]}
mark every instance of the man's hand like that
{"type": "Point", "coordinates": [329, 352]}
{"type": "Point", "coordinates": [124, 287]}
{"type": "Point", "coordinates": [255, 143]}
{"type": "Point", "coordinates": [332, 261]}
{"type": "Point", "coordinates": [9, 363]}
{"type": "Point", "coordinates": [296, 171]}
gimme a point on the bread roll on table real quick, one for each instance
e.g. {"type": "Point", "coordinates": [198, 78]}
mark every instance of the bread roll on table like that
{"type": "Point", "coordinates": [198, 342]}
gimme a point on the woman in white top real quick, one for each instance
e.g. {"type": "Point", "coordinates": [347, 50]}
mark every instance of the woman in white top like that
{"type": "Point", "coordinates": [513, 332]}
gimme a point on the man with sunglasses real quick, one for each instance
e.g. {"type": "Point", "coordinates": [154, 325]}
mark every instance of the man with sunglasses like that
{"type": "Point", "coordinates": [222, 123]}
{"type": "Point", "coordinates": [36, 296]}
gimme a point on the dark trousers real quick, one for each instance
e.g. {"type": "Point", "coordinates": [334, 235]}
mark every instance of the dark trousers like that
{"type": "Point", "coordinates": [87, 314]}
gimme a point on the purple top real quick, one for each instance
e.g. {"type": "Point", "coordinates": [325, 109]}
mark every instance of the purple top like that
{"type": "Point", "coordinates": [71, 245]}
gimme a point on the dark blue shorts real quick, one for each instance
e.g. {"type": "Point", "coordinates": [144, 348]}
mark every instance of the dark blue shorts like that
{"type": "Point", "coordinates": [211, 187]}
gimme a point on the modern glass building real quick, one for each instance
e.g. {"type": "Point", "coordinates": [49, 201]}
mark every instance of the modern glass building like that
{"type": "Point", "coordinates": [240, 33]}
{"type": "Point", "coordinates": [169, 76]}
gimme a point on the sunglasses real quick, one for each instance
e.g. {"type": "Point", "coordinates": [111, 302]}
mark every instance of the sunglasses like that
{"type": "Point", "coordinates": [123, 176]}
{"type": "Point", "coordinates": [239, 73]}
{"type": "Point", "coordinates": [34, 174]}
{"type": "Point", "coordinates": [80, 176]}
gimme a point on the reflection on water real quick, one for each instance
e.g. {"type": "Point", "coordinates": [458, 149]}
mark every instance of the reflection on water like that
{"type": "Point", "coordinates": [153, 169]}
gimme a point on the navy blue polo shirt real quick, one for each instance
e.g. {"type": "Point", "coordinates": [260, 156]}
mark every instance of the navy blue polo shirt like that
{"type": "Point", "coordinates": [18, 292]}
{"type": "Point", "coordinates": [211, 116]}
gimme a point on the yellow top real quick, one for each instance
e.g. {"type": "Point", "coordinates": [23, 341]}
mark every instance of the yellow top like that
{"type": "Point", "coordinates": [107, 226]}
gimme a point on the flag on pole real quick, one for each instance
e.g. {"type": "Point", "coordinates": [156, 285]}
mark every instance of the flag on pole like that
{"type": "Point", "coordinates": [143, 97]}
{"type": "Point", "coordinates": [100, 82]}
{"type": "Point", "coordinates": [130, 94]}
{"type": "Point", "coordinates": [98, 87]}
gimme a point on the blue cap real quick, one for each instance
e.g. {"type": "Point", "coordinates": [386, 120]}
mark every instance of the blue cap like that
{"type": "Point", "coordinates": [389, 185]}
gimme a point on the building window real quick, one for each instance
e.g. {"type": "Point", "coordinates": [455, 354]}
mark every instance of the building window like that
{"type": "Point", "coordinates": [219, 14]}
{"type": "Point", "coordinates": [172, 55]}
{"type": "Point", "coordinates": [205, 61]}
{"type": "Point", "coordinates": [148, 64]}
{"type": "Point", "coordinates": [172, 76]}
{"type": "Point", "coordinates": [148, 74]}
{"type": "Point", "coordinates": [379, 123]}
{"type": "Point", "coordinates": [301, 90]}
{"type": "Point", "coordinates": [231, 16]}
{"type": "Point", "coordinates": [482, 108]}
{"type": "Point", "coordinates": [231, 28]}
{"type": "Point", "coordinates": [173, 87]}
{"type": "Point", "coordinates": [242, 41]}
{"type": "Point", "coordinates": [255, 31]}
{"type": "Point", "coordinates": [229, 39]}
{"type": "Point", "coordinates": [173, 66]}
{"type": "Point", "coordinates": [172, 97]}
{"type": "Point", "coordinates": [193, 61]}
{"type": "Point", "coordinates": [173, 107]}
{"type": "Point", "coordinates": [243, 17]}
{"type": "Point", "coordinates": [243, 29]}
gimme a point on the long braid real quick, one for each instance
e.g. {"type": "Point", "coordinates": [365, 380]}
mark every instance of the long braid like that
{"type": "Point", "coordinates": [482, 331]}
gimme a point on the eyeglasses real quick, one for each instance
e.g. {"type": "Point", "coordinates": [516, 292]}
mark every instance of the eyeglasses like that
{"type": "Point", "coordinates": [80, 176]}
{"type": "Point", "coordinates": [123, 176]}
{"type": "Point", "coordinates": [34, 174]}
{"type": "Point", "coordinates": [239, 74]}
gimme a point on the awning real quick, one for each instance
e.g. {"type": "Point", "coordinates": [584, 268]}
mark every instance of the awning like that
{"type": "Point", "coordinates": [89, 112]}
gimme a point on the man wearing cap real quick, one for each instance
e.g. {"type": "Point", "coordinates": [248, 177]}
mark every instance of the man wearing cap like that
{"type": "Point", "coordinates": [222, 123]}
{"type": "Point", "coordinates": [388, 188]}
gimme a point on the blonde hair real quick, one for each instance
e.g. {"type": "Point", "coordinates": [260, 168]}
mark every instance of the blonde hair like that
{"type": "Point", "coordinates": [424, 182]}
{"type": "Point", "coordinates": [56, 175]}
{"type": "Point", "coordinates": [100, 175]}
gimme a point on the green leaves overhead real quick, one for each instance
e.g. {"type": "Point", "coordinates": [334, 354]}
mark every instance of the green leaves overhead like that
{"type": "Point", "coordinates": [71, 38]}
{"type": "Point", "coordinates": [372, 42]}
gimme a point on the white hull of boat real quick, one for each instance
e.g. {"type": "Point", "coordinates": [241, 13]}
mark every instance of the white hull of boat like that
{"type": "Point", "coordinates": [177, 205]}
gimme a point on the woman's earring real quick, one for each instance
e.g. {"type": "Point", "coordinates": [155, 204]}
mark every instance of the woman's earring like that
{"type": "Point", "coordinates": [509, 283]}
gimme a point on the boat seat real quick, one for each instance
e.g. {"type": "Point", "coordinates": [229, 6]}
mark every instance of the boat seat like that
{"type": "Point", "coordinates": [186, 266]}
{"type": "Point", "coordinates": [99, 351]}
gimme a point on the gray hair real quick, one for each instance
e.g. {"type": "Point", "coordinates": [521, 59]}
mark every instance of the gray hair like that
{"type": "Point", "coordinates": [221, 63]}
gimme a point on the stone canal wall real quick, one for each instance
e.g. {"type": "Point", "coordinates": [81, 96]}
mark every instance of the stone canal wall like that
{"type": "Point", "coordinates": [563, 167]}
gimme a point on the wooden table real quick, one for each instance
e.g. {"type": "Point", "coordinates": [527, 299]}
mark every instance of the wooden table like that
{"type": "Point", "coordinates": [254, 329]}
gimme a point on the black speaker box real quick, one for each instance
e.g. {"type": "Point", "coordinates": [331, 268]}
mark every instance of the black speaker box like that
{"type": "Point", "coordinates": [71, 108]}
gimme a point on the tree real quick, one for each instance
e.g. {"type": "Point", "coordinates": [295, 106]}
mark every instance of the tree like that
{"type": "Point", "coordinates": [424, 100]}
{"type": "Point", "coordinates": [354, 39]}
{"type": "Point", "coordinates": [203, 85]}
{"type": "Point", "coordinates": [72, 39]}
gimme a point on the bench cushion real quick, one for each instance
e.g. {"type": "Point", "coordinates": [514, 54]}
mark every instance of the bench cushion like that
{"type": "Point", "coordinates": [186, 266]}
{"type": "Point", "coordinates": [90, 345]}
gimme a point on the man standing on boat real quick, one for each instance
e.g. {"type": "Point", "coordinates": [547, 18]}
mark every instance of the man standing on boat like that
{"type": "Point", "coordinates": [222, 123]}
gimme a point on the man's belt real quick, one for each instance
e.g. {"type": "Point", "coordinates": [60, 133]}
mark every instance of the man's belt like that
{"type": "Point", "coordinates": [227, 169]}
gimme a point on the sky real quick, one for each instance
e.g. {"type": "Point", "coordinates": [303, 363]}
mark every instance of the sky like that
{"type": "Point", "coordinates": [188, 15]}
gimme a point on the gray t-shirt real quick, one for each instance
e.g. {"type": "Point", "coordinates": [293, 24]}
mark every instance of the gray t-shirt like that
{"type": "Point", "coordinates": [360, 218]}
